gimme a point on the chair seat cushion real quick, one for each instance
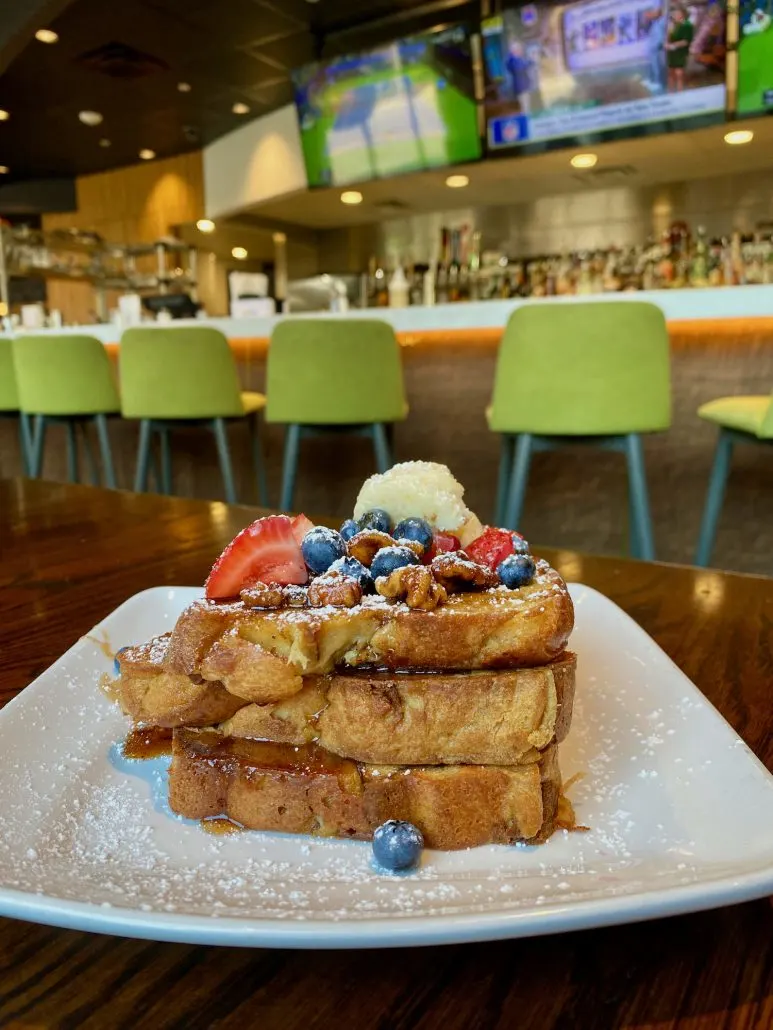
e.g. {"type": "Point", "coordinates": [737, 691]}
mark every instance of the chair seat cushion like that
{"type": "Point", "coordinates": [253, 402]}
{"type": "Point", "coordinates": [744, 413]}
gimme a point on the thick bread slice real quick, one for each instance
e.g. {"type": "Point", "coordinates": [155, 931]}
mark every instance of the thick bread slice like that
{"type": "Point", "coordinates": [477, 718]}
{"type": "Point", "coordinates": [306, 790]}
{"type": "Point", "coordinates": [496, 628]}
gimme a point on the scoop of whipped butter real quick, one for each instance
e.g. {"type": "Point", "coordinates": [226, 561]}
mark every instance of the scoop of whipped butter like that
{"type": "Point", "coordinates": [425, 489]}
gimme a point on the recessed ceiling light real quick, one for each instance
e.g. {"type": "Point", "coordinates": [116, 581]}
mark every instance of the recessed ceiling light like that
{"type": "Point", "coordinates": [4, 169]}
{"type": "Point", "coordinates": [90, 117]}
{"type": "Point", "coordinates": [46, 36]}
{"type": "Point", "coordinates": [584, 160]}
{"type": "Point", "coordinates": [239, 253]}
{"type": "Point", "coordinates": [739, 136]}
{"type": "Point", "coordinates": [351, 197]}
{"type": "Point", "coordinates": [457, 182]}
{"type": "Point", "coordinates": [147, 155]}
{"type": "Point", "coordinates": [104, 143]}
{"type": "Point", "coordinates": [4, 115]}
{"type": "Point", "coordinates": [184, 87]}
{"type": "Point", "coordinates": [205, 225]}
{"type": "Point", "coordinates": [240, 108]}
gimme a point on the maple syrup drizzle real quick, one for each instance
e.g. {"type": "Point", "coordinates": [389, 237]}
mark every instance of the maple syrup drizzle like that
{"type": "Point", "coordinates": [150, 742]}
{"type": "Point", "coordinates": [220, 826]}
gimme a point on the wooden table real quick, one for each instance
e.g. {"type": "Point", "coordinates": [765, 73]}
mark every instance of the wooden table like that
{"type": "Point", "coordinates": [69, 555]}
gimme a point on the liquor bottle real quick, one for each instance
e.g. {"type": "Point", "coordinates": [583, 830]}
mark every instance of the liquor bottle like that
{"type": "Point", "coordinates": [699, 268]}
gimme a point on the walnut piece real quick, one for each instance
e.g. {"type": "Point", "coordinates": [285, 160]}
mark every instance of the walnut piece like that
{"type": "Point", "coordinates": [335, 589]}
{"type": "Point", "coordinates": [364, 545]}
{"type": "Point", "coordinates": [413, 584]}
{"type": "Point", "coordinates": [458, 572]}
{"type": "Point", "coordinates": [412, 545]}
{"type": "Point", "coordinates": [264, 595]}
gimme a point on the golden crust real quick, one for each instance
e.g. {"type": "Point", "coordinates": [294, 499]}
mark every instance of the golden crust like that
{"type": "Point", "coordinates": [495, 628]}
{"type": "Point", "coordinates": [306, 790]}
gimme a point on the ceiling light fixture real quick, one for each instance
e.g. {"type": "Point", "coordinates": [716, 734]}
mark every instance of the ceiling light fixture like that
{"type": "Point", "coordinates": [279, 237]}
{"type": "Point", "coordinates": [147, 155]}
{"type": "Point", "coordinates": [457, 182]}
{"type": "Point", "coordinates": [184, 87]}
{"type": "Point", "coordinates": [240, 108]}
{"type": "Point", "coordinates": [104, 143]}
{"type": "Point", "coordinates": [4, 169]}
{"type": "Point", "coordinates": [739, 136]}
{"type": "Point", "coordinates": [351, 197]}
{"type": "Point", "coordinates": [4, 115]}
{"type": "Point", "coordinates": [239, 253]}
{"type": "Point", "coordinates": [205, 225]}
{"type": "Point", "coordinates": [46, 36]}
{"type": "Point", "coordinates": [91, 118]}
{"type": "Point", "coordinates": [584, 160]}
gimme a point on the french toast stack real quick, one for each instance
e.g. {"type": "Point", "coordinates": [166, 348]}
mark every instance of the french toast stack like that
{"type": "Point", "coordinates": [403, 680]}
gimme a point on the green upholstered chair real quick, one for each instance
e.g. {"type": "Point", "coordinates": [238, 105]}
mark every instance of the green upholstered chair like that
{"type": "Point", "coordinates": [596, 373]}
{"type": "Point", "coordinates": [740, 420]}
{"type": "Point", "coordinates": [333, 375]}
{"type": "Point", "coordinates": [9, 398]}
{"type": "Point", "coordinates": [175, 377]}
{"type": "Point", "coordinates": [66, 378]}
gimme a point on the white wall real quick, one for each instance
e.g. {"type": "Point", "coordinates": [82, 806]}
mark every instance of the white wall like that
{"type": "Point", "coordinates": [261, 160]}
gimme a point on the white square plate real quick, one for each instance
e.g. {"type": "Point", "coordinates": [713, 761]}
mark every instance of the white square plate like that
{"type": "Point", "coordinates": [679, 809]}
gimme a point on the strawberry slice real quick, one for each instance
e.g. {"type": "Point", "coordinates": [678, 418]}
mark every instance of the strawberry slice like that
{"type": "Point", "coordinates": [265, 552]}
{"type": "Point", "coordinates": [301, 525]}
{"type": "Point", "coordinates": [441, 542]}
{"type": "Point", "coordinates": [491, 547]}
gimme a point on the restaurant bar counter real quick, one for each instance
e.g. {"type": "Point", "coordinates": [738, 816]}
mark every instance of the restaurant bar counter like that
{"type": "Point", "coordinates": [721, 343]}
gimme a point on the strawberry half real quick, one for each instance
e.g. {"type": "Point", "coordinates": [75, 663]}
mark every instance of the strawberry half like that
{"type": "Point", "coordinates": [265, 552]}
{"type": "Point", "coordinates": [441, 542]}
{"type": "Point", "coordinates": [491, 547]}
{"type": "Point", "coordinates": [301, 525]}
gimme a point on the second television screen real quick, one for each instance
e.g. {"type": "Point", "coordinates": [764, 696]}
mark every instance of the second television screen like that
{"type": "Point", "coordinates": [568, 70]}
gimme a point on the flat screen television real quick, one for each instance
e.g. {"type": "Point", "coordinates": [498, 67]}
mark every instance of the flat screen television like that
{"type": "Point", "coordinates": [403, 107]}
{"type": "Point", "coordinates": [570, 71]}
{"type": "Point", "coordinates": [755, 56]}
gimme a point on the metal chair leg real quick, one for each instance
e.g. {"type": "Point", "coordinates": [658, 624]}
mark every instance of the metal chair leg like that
{"type": "Point", "coordinates": [72, 453]}
{"type": "Point", "coordinates": [224, 456]}
{"type": "Point", "coordinates": [143, 456]}
{"type": "Point", "coordinates": [637, 479]}
{"type": "Point", "coordinates": [634, 538]}
{"type": "Point", "coordinates": [714, 498]}
{"type": "Point", "coordinates": [89, 452]}
{"type": "Point", "coordinates": [105, 451]}
{"type": "Point", "coordinates": [166, 462]}
{"type": "Point", "coordinates": [25, 442]}
{"type": "Point", "coordinates": [503, 482]}
{"type": "Point", "coordinates": [289, 466]}
{"type": "Point", "coordinates": [258, 460]}
{"type": "Point", "coordinates": [381, 447]}
{"type": "Point", "coordinates": [519, 477]}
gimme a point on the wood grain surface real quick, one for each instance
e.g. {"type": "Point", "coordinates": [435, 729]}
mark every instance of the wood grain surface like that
{"type": "Point", "coordinates": [69, 555]}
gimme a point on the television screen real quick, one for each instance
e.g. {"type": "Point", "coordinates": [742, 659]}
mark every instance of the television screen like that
{"type": "Point", "coordinates": [755, 56]}
{"type": "Point", "coordinates": [406, 106]}
{"type": "Point", "coordinates": [573, 69]}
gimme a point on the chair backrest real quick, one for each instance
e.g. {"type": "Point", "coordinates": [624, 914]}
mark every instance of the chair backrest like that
{"type": "Point", "coordinates": [178, 373]}
{"type": "Point", "coordinates": [9, 395]}
{"type": "Point", "coordinates": [582, 368]}
{"type": "Point", "coordinates": [64, 374]}
{"type": "Point", "coordinates": [766, 429]}
{"type": "Point", "coordinates": [336, 371]}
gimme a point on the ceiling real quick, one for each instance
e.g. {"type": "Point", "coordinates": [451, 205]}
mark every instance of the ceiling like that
{"type": "Point", "coordinates": [125, 58]}
{"type": "Point", "coordinates": [646, 161]}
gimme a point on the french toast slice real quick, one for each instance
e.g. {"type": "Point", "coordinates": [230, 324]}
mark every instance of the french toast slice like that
{"type": "Point", "coordinates": [264, 786]}
{"type": "Point", "coordinates": [498, 717]}
{"type": "Point", "coordinates": [255, 650]}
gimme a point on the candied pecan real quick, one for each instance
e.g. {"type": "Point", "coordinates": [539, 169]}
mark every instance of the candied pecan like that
{"type": "Point", "coordinates": [458, 572]}
{"type": "Point", "coordinates": [335, 589]}
{"type": "Point", "coordinates": [363, 545]}
{"type": "Point", "coordinates": [296, 597]}
{"type": "Point", "coordinates": [413, 584]}
{"type": "Point", "coordinates": [264, 595]}
{"type": "Point", "coordinates": [412, 545]}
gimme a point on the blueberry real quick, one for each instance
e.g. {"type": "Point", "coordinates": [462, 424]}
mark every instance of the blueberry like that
{"type": "Point", "coordinates": [348, 529]}
{"type": "Point", "coordinates": [321, 547]}
{"type": "Point", "coordinates": [355, 570]}
{"type": "Point", "coordinates": [414, 529]}
{"type": "Point", "coordinates": [517, 570]}
{"type": "Point", "coordinates": [377, 518]}
{"type": "Point", "coordinates": [520, 546]}
{"type": "Point", "coordinates": [397, 845]}
{"type": "Point", "coordinates": [390, 558]}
